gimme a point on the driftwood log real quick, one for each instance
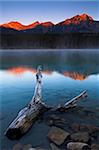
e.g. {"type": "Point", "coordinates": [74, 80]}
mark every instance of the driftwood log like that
{"type": "Point", "coordinates": [73, 102]}
{"type": "Point", "coordinates": [28, 115]}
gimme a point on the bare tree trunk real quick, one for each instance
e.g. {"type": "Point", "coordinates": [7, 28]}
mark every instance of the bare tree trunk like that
{"type": "Point", "coordinates": [73, 102]}
{"type": "Point", "coordinates": [28, 115]}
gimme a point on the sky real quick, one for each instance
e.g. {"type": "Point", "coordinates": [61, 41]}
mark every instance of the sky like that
{"type": "Point", "coordinates": [28, 12]}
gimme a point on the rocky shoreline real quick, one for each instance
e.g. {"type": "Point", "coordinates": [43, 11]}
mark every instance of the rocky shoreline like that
{"type": "Point", "coordinates": [67, 132]}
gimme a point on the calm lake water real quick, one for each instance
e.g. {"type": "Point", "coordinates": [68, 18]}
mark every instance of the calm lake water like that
{"type": "Point", "coordinates": [65, 74]}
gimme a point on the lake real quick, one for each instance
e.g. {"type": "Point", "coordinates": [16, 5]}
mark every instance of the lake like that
{"type": "Point", "coordinates": [66, 73]}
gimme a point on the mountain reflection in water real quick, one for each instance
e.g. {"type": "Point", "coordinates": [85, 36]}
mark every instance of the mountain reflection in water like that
{"type": "Point", "coordinates": [22, 70]}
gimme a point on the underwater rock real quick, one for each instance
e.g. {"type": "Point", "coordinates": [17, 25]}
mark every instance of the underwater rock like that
{"type": "Point", "coordinates": [37, 148]}
{"type": "Point", "coordinates": [75, 127]}
{"type": "Point", "coordinates": [84, 127]}
{"type": "Point", "coordinates": [77, 146]}
{"type": "Point", "coordinates": [89, 128]}
{"type": "Point", "coordinates": [50, 122]}
{"type": "Point", "coordinates": [54, 147]}
{"type": "Point", "coordinates": [57, 135]}
{"type": "Point", "coordinates": [80, 137]}
{"type": "Point", "coordinates": [95, 147]}
{"type": "Point", "coordinates": [27, 147]}
{"type": "Point", "coordinates": [18, 147]}
{"type": "Point", "coordinates": [54, 120]}
{"type": "Point", "coordinates": [32, 149]}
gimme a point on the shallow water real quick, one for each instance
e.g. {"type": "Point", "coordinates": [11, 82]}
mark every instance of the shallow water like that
{"type": "Point", "coordinates": [66, 73]}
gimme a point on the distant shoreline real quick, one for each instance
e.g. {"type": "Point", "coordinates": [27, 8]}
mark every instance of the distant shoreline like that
{"type": "Point", "coordinates": [49, 50]}
{"type": "Point", "coordinates": [50, 41]}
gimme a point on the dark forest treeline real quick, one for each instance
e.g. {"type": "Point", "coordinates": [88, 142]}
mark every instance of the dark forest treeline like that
{"type": "Point", "coordinates": [47, 41]}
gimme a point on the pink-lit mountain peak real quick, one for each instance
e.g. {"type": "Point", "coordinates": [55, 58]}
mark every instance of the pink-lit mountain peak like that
{"type": "Point", "coordinates": [82, 17]}
{"type": "Point", "coordinates": [18, 26]}
{"type": "Point", "coordinates": [74, 20]}
{"type": "Point", "coordinates": [47, 24]}
{"type": "Point", "coordinates": [77, 19]}
{"type": "Point", "coordinates": [13, 24]}
{"type": "Point", "coordinates": [86, 17]}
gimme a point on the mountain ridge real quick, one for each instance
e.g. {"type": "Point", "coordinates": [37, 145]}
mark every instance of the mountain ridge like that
{"type": "Point", "coordinates": [18, 26]}
{"type": "Point", "coordinates": [76, 20]}
{"type": "Point", "coordinates": [80, 31]}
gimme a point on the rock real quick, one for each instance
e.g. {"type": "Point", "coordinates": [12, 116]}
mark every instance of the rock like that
{"type": "Point", "coordinates": [27, 147]}
{"type": "Point", "coordinates": [55, 117]}
{"type": "Point", "coordinates": [84, 127]}
{"type": "Point", "coordinates": [77, 146]}
{"type": "Point", "coordinates": [95, 147]}
{"type": "Point", "coordinates": [18, 146]}
{"type": "Point", "coordinates": [37, 148]}
{"type": "Point", "coordinates": [32, 149]}
{"type": "Point", "coordinates": [94, 135]}
{"type": "Point", "coordinates": [80, 137]}
{"type": "Point", "coordinates": [50, 122]}
{"type": "Point", "coordinates": [75, 127]}
{"type": "Point", "coordinates": [57, 135]}
{"type": "Point", "coordinates": [54, 147]}
{"type": "Point", "coordinates": [89, 128]}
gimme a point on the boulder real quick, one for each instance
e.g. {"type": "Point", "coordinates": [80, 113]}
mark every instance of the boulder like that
{"type": "Point", "coordinates": [50, 122]}
{"type": "Point", "coordinates": [80, 137]}
{"type": "Point", "coordinates": [56, 121]}
{"type": "Point", "coordinates": [37, 148]}
{"type": "Point", "coordinates": [75, 127]}
{"type": "Point", "coordinates": [17, 147]}
{"type": "Point", "coordinates": [32, 149]}
{"type": "Point", "coordinates": [57, 118]}
{"type": "Point", "coordinates": [77, 146]}
{"type": "Point", "coordinates": [54, 116]}
{"type": "Point", "coordinates": [57, 135]}
{"type": "Point", "coordinates": [27, 147]}
{"type": "Point", "coordinates": [54, 147]}
{"type": "Point", "coordinates": [84, 127]}
{"type": "Point", "coordinates": [89, 128]}
{"type": "Point", "coordinates": [95, 147]}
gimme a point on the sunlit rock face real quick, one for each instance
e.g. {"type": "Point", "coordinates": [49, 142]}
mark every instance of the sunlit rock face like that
{"type": "Point", "coordinates": [83, 20]}
{"type": "Point", "coordinates": [19, 26]}
{"type": "Point", "coordinates": [77, 19]}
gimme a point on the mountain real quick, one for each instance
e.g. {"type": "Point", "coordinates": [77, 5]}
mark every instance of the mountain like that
{"type": "Point", "coordinates": [80, 31]}
{"type": "Point", "coordinates": [47, 24]}
{"type": "Point", "coordinates": [19, 26]}
{"type": "Point", "coordinates": [76, 20]}
{"type": "Point", "coordinates": [79, 23]}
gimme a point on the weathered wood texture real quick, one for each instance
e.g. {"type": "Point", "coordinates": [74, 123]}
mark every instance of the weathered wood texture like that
{"type": "Point", "coordinates": [27, 116]}
{"type": "Point", "coordinates": [73, 102]}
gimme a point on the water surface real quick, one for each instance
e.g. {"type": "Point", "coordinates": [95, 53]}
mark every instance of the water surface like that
{"type": "Point", "coordinates": [65, 74]}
